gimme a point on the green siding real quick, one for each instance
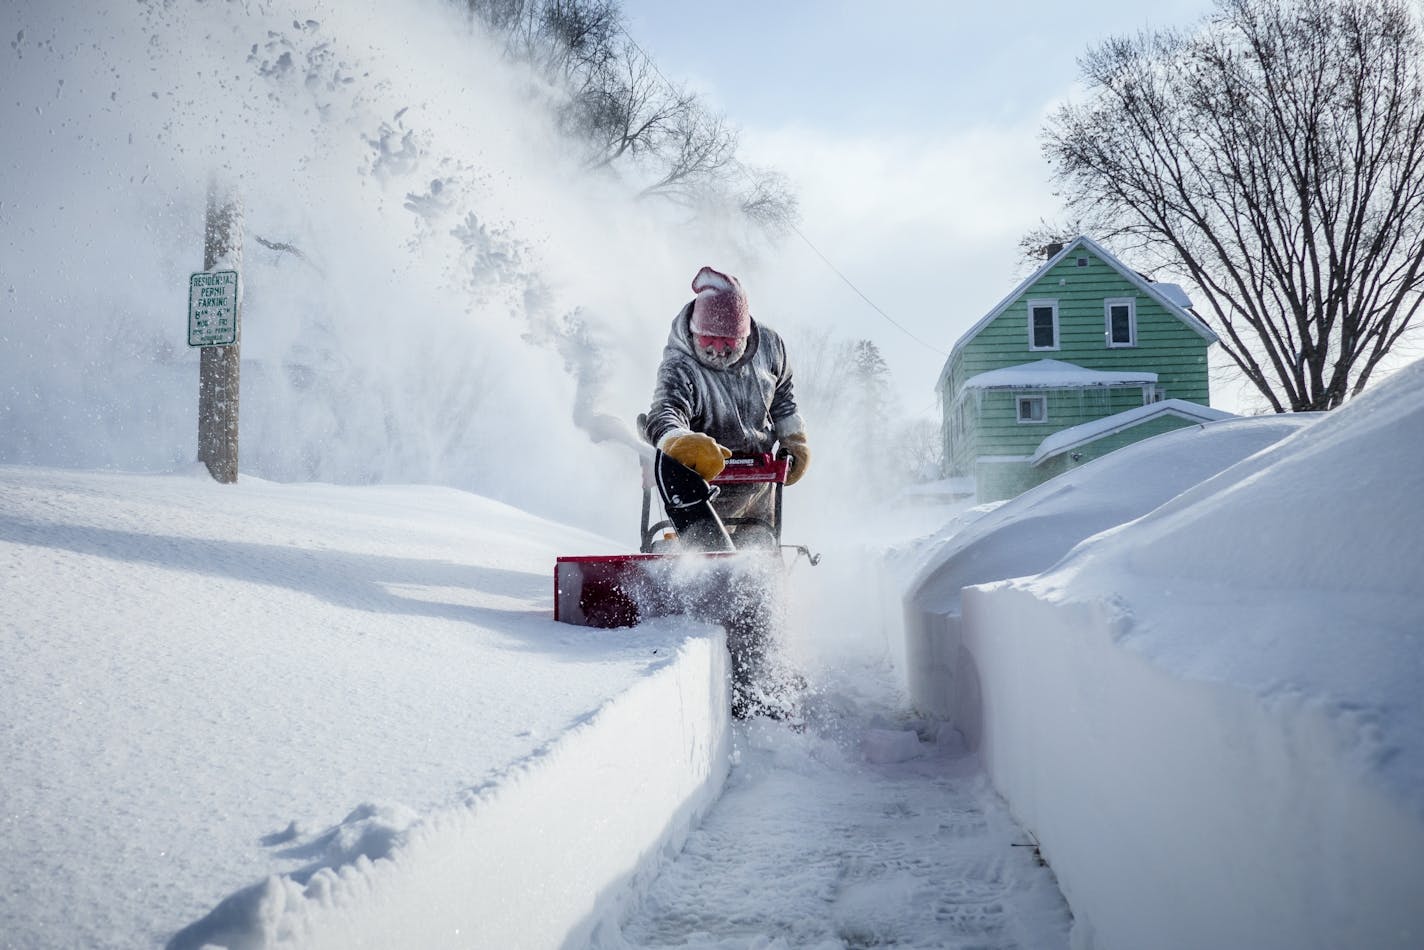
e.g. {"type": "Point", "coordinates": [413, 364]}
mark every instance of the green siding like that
{"type": "Point", "coordinates": [999, 432]}
{"type": "Point", "coordinates": [1165, 345]}
{"type": "Point", "coordinates": [994, 481]}
{"type": "Point", "coordinates": [987, 422]}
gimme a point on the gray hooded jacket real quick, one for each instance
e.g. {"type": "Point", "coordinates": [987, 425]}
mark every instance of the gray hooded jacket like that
{"type": "Point", "coordinates": [747, 407]}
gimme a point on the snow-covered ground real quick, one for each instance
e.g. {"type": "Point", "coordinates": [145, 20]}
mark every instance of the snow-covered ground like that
{"type": "Point", "coordinates": [293, 712]}
{"type": "Point", "coordinates": [258, 714]}
{"type": "Point", "coordinates": [206, 685]}
{"type": "Point", "coordinates": [1208, 711]}
{"type": "Point", "coordinates": [330, 700]}
{"type": "Point", "coordinates": [868, 831]}
{"type": "Point", "coordinates": [338, 716]}
{"type": "Point", "coordinates": [267, 714]}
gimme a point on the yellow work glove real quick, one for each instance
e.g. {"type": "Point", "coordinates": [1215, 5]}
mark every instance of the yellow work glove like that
{"type": "Point", "coordinates": [699, 452]}
{"type": "Point", "coordinates": [794, 445]}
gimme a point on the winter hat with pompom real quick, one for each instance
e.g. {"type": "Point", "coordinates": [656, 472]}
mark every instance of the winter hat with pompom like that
{"type": "Point", "coordinates": [721, 306]}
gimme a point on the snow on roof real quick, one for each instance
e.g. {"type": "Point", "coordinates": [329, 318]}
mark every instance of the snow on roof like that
{"type": "Point", "coordinates": [1050, 374]}
{"type": "Point", "coordinates": [1065, 439]}
{"type": "Point", "coordinates": [1174, 293]}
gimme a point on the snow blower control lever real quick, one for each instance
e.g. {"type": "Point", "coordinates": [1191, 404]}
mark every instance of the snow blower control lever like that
{"type": "Point", "coordinates": [689, 501]}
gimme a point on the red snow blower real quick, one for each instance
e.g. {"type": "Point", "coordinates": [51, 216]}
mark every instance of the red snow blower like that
{"type": "Point", "coordinates": [688, 563]}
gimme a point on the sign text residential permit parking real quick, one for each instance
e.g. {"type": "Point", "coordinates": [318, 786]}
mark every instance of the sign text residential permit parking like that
{"type": "Point", "coordinates": [212, 308]}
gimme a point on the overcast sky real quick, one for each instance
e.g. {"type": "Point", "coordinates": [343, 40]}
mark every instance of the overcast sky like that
{"type": "Point", "coordinates": [910, 129]}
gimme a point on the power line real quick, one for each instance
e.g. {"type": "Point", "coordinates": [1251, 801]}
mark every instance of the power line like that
{"type": "Point", "coordinates": [672, 87]}
{"type": "Point", "coordinates": [874, 306]}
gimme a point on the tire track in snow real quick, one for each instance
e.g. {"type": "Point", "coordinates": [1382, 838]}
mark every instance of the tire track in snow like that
{"type": "Point", "coordinates": [813, 846]}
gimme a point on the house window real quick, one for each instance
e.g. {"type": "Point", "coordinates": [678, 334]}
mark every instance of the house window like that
{"type": "Point", "coordinates": [1032, 408]}
{"type": "Point", "coordinates": [1121, 316]}
{"type": "Point", "coordinates": [1043, 324]}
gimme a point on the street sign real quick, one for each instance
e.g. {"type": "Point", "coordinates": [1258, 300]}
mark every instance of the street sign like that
{"type": "Point", "coordinates": [212, 308]}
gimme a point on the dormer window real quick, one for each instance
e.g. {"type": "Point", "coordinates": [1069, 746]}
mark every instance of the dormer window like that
{"type": "Point", "coordinates": [1120, 314]}
{"type": "Point", "coordinates": [1043, 324]}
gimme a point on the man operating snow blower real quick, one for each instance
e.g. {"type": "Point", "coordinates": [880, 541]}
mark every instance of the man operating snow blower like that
{"type": "Point", "coordinates": [724, 389]}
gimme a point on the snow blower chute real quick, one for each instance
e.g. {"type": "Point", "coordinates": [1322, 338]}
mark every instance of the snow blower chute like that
{"type": "Point", "coordinates": [688, 563]}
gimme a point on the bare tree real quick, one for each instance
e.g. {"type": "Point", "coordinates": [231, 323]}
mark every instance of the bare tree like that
{"type": "Point", "coordinates": [630, 116]}
{"type": "Point", "coordinates": [1277, 156]}
{"type": "Point", "coordinates": [769, 201]}
{"type": "Point", "coordinates": [919, 449]}
{"type": "Point", "coordinates": [696, 151]}
{"type": "Point", "coordinates": [581, 35]}
{"type": "Point", "coordinates": [627, 108]}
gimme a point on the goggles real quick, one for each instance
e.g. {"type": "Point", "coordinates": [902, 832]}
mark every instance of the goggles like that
{"type": "Point", "coordinates": [721, 344]}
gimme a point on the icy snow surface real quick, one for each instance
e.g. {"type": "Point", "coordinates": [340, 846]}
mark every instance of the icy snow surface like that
{"type": "Point", "coordinates": [851, 836]}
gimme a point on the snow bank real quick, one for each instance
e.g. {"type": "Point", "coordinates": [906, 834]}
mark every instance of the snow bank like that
{"type": "Point", "coordinates": [539, 856]}
{"type": "Point", "coordinates": [1210, 716]}
{"type": "Point", "coordinates": [306, 704]}
{"type": "Point", "coordinates": [1184, 812]}
{"type": "Point", "coordinates": [1029, 533]}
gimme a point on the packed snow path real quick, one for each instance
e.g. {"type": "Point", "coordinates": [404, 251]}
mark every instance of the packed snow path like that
{"type": "Point", "coordinates": [819, 841]}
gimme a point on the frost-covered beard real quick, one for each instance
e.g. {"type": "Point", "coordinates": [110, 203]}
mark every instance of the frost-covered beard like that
{"type": "Point", "coordinates": [714, 358]}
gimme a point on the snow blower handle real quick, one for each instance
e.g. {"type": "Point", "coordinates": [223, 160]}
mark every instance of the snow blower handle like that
{"type": "Point", "coordinates": [749, 469]}
{"type": "Point", "coordinates": [688, 500]}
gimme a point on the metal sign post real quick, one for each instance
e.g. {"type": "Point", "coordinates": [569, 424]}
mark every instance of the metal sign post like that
{"type": "Point", "coordinates": [214, 309]}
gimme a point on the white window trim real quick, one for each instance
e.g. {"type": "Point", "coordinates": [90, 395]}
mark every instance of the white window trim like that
{"type": "Point", "coordinates": [1032, 305]}
{"type": "Point", "coordinates": [1131, 304]}
{"type": "Point", "coordinates": [1019, 399]}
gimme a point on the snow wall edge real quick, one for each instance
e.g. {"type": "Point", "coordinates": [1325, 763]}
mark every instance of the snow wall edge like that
{"type": "Point", "coordinates": [543, 856]}
{"type": "Point", "coordinates": [1287, 842]}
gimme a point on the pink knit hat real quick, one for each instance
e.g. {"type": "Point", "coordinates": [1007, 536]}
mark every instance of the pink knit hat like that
{"type": "Point", "coordinates": [721, 306]}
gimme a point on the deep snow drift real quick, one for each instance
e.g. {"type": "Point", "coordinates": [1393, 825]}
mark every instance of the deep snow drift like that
{"type": "Point", "coordinates": [1030, 533]}
{"type": "Point", "coordinates": [209, 684]}
{"type": "Point", "coordinates": [1210, 715]}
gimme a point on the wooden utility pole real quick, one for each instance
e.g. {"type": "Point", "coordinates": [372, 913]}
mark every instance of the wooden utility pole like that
{"type": "Point", "coordinates": [218, 383]}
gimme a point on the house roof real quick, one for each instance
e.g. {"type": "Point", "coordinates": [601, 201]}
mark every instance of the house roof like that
{"type": "Point", "coordinates": [1065, 439]}
{"type": "Point", "coordinates": [1170, 296]}
{"type": "Point", "coordinates": [1055, 374]}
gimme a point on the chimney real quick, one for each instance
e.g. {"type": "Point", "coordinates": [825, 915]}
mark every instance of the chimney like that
{"type": "Point", "coordinates": [1052, 250]}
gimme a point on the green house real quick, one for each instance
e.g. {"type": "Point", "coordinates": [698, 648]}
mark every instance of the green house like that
{"type": "Point", "coordinates": [1085, 356]}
